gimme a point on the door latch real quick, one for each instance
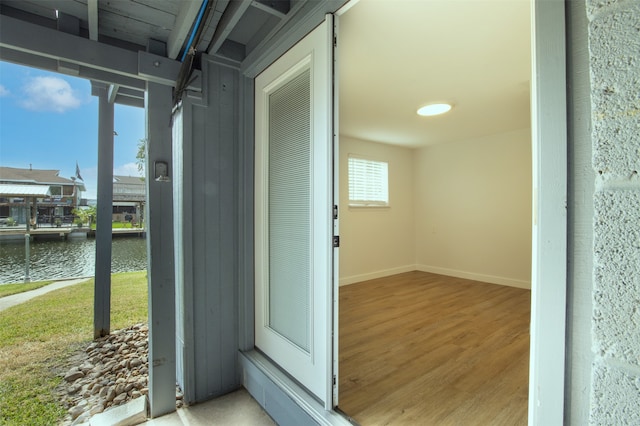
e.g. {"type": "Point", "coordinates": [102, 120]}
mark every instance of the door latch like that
{"type": "Point", "coordinates": [336, 241]}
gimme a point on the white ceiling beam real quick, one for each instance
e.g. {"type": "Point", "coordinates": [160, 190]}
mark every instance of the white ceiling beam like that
{"type": "Point", "coordinates": [184, 21]}
{"type": "Point", "coordinates": [52, 64]}
{"type": "Point", "coordinates": [37, 40]}
{"type": "Point", "coordinates": [137, 102]}
{"type": "Point", "coordinates": [164, 71]}
{"type": "Point", "coordinates": [68, 68]}
{"type": "Point", "coordinates": [123, 96]}
{"type": "Point", "coordinates": [229, 19]}
{"type": "Point", "coordinates": [270, 8]}
{"type": "Point", "coordinates": [125, 91]}
{"type": "Point", "coordinates": [92, 18]}
{"type": "Point", "coordinates": [112, 92]}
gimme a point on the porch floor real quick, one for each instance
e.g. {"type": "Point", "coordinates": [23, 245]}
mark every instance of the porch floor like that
{"type": "Point", "coordinates": [236, 408]}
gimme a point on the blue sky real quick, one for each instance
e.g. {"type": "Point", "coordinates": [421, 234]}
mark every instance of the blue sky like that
{"type": "Point", "coordinates": [50, 121]}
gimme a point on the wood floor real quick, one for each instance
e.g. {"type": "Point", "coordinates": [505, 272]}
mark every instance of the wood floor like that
{"type": "Point", "coordinates": [426, 349]}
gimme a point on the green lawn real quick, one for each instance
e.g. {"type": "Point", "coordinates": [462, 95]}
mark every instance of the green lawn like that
{"type": "Point", "coordinates": [118, 225]}
{"type": "Point", "coordinates": [9, 289]}
{"type": "Point", "coordinates": [38, 337]}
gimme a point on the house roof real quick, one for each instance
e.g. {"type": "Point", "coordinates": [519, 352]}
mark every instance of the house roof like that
{"type": "Point", "coordinates": [35, 176]}
{"type": "Point", "coordinates": [128, 180]}
{"type": "Point", "coordinates": [129, 189]}
{"type": "Point", "coordinates": [8, 190]}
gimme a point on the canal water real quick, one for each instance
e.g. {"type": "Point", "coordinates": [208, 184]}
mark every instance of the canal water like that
{"type": "Point", "coordinates": [56, 259]}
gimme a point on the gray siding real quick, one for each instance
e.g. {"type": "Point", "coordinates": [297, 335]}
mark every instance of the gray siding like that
{"type": "Point", "coordinates": [246, 223]}
{"type": "Point", "coordinates": [208, 227]}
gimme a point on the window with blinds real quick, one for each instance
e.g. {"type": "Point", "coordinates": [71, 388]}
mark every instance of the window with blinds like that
{"type": "Point", "coordinates": [290, 210]}
{"type": "Point", "coordinates": [368, 182]}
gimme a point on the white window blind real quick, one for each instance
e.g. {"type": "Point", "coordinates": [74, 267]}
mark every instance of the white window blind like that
{"type": "Point", "coordinates": [290, 210]}
{"type": "Point", "coordinates": [368, 182]}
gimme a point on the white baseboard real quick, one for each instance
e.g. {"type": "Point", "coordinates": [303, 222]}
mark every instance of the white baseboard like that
{"type": "Point", "coordinates": [474, 276]}
{"type": "Point", "coordinates": [377, 274]}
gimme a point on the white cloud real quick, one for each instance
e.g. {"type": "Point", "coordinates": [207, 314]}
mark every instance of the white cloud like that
{"type": "Point", "coordinates": [129, 169]}
{"type": "Point", "coordinates": [3, 91]}
{"type": "Point", "coordinates": [49, 94]}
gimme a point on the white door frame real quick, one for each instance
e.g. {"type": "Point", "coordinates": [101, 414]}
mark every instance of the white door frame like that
{"type": "Point", "coordinates": [549, 254]}
{"type": "Point", "coordinates": [335, 126]}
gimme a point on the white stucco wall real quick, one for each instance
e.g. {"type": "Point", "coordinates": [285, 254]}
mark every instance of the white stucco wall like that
{"type": "Point", "coordinates": [614, 63]}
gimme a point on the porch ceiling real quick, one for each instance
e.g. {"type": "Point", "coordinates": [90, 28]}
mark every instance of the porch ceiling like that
{"type": "Point", "coordinates": [130, 24]}
{"type": "Point", "coordinates": [162, 27]}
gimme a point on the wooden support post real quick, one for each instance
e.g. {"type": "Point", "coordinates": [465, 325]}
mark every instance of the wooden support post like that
{"type": "Point", "coordinates": [160, 264]}
{"type": "Point", "coordinates": [102, 289]}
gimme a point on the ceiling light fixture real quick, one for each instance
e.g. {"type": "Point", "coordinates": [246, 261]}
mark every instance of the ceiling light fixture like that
{"type": "Point", "coordinates": [433, 109]}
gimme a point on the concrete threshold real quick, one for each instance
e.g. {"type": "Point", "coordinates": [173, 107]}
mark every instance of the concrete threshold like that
{"type": "Point", "coordinates": [132, 413]}
{"type": "Point", "coordinates": [236, 408]}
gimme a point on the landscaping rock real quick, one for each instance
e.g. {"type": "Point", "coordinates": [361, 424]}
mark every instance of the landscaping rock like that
{"type": "Point", "coordinates": [120, 399]}
{"type": "Point", "coordinates": [75, 412]}
{"type": "Point", "coordinates": [73, 375]}
{"type": "Point", "coordinates": [81, 420]}
{"type": "Point", "coordinates": [111, 394]}
{"type": "Point", "coordinates": [109, 372]}
{"type": "Point", "coordinates": [73, 389]}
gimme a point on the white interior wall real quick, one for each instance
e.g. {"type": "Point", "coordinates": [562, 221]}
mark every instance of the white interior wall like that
{"type": "Point", "coordinates": [473, 209]}
{"type": "Point", "coordinates": [377, 241]}
{"type": "Point", "coordinates": [460, 209]}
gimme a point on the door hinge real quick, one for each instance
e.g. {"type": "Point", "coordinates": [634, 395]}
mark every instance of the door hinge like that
{"type": "Point", "coordinates": [334, 380]}
{"type": "Point", "coordinates": [336, 241]}
{"type": "Point", "coordinates": [335, 211]}
{"type": "Point", "coordinates": [335, 40]}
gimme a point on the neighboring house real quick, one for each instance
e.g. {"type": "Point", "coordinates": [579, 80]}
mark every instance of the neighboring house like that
{"type": "Point", "coordinates": [207, 251]}
{"type": "Point", "coordinates": [66, 195]}
{"type": "Point", "coordinates": [129, 195]}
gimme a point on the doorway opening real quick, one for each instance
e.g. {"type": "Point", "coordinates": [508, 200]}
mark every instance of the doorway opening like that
{"type": "Point", "coordinates": [431, 281]}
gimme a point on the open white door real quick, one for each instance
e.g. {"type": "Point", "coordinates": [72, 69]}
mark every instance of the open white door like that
{"type": "Point", "coordinates": [294, 212]}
